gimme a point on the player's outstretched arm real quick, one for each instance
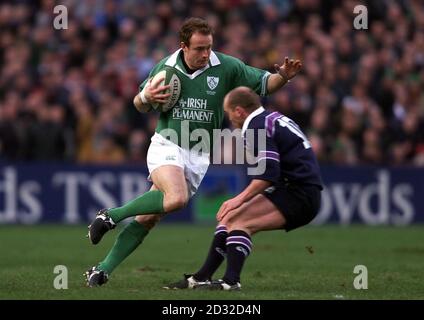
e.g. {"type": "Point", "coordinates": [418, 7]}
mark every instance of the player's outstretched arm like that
{"type": "Point", "coordinates": [283, 74]}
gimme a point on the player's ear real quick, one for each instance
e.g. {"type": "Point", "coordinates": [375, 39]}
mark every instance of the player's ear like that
{"type": "Point", "coordinates": [239, 110]}
{"type": "Point", "coordinates": [183, 45]}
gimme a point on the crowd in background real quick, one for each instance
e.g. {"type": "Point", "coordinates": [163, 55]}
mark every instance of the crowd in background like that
{"type": "Point", "coordinates": [68, 94]}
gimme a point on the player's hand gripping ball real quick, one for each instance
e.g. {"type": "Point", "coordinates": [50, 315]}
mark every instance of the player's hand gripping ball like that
{"type": "Point", "coordinates": [167, 76]}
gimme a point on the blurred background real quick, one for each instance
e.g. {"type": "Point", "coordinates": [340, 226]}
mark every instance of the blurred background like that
{"type": "Point", "coordinates": [71, 141]}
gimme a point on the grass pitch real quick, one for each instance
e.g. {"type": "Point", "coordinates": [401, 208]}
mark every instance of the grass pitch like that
{"type": "Point", "coordinates": [309, 263]}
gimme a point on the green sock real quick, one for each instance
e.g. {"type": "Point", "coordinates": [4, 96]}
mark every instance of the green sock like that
{"type": "Point", "coordinates": [148, 203]}
{"type": "Point", "coordinates": [128, 240]}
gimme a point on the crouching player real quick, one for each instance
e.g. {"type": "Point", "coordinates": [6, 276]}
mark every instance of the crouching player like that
{"type": "Point", "coordinates": [285, 196]}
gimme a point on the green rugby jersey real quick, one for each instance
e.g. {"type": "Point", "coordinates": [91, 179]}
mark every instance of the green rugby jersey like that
{"type": "Point", "coordinates": [202, 94]}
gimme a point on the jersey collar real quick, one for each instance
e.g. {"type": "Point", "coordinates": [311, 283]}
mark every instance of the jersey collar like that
{"type": "Point", "coordinates": [250, 117]}
{"type": "Point", "coordinates": [173, 62]}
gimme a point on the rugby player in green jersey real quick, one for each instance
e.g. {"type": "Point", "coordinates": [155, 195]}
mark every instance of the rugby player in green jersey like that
{"type": "Point", "coordinates": [175, 170]}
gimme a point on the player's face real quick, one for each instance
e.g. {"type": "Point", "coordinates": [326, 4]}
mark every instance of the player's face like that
{"type": "Point", "coordinates": [196, 55]}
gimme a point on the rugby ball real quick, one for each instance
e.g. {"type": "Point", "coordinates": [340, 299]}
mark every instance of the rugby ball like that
{"type": "Point", "coordinates": [165, 77]}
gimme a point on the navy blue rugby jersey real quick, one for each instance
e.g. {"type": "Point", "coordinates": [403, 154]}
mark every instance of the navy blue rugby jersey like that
{"type": "Point", "coordinates": [286, 150]}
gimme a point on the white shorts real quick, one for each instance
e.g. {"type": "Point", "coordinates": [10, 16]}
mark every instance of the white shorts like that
{"type": "Point", "coordinates": [164, 152]}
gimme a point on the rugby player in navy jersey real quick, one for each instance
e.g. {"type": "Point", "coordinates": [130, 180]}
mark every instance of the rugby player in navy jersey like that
{"type": "Point", "coordinates": [285, 195]}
